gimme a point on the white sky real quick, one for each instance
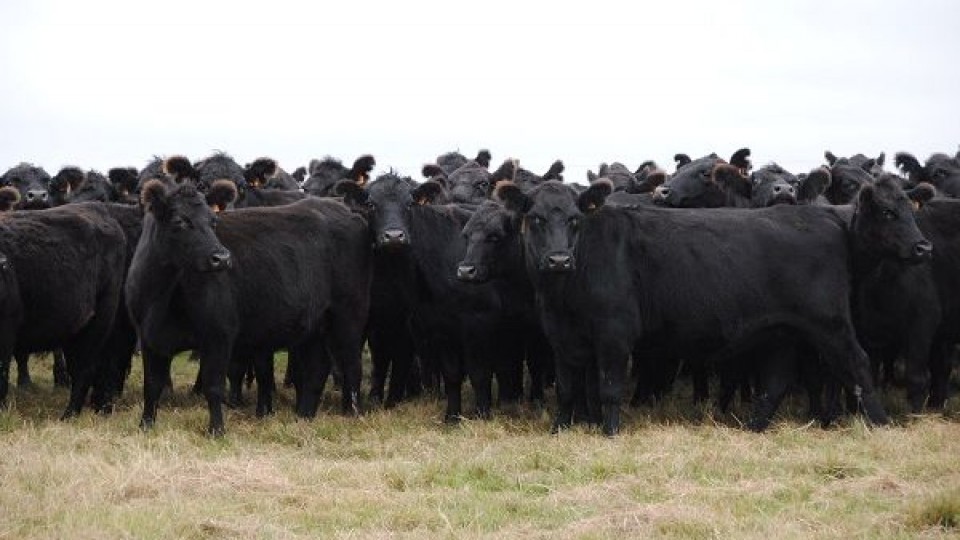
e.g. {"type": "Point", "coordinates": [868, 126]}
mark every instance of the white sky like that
{"type": "Point", "coordinates": [105, 83]}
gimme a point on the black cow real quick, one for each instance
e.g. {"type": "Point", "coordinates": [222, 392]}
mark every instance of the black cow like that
{"type": "Point", "coordinates": [706, 183]}
{"type": "Point", "coordinates": [32, 182]}
{"type": "Point", "coordinates": [452, 161]}
{"type": "Point", "coordinates": [491, 257]}
{"type": "Point", "coordinates": [695, 282]}
{"type": "Point", "coordinates": [295, 277]}
{"type": "Point", "coordinates": [69, 267]}
{"type": "Point", "coordinates": [11, 312]}
{"type": "Point", "coordinates": [471, 183]}
{"type": "Point", "coordinates": [941, 170]}
{"type": "Point", "coordinates": [324, 174]}
{"type": "Point", "coordinates": [454, 324]}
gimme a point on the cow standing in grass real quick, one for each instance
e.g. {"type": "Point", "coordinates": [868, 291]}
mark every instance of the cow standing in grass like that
{"type": "Point", "coordinates": [244, 284]}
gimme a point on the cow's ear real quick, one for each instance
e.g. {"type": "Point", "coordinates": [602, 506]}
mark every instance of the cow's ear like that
{"type": "Point", "coordinates": [432, 171]}
{"type": "Point", "coordinates": [592, 176]}
{"type": "Point", "coordinates": [483, 158]}
{"type": "Point", "coordinates": [741, 159]}
{"type": "Point", "coordinates": [427, 192]}
{"type": "Point", "coordinates": [921, 194]}
{"type": "Point", "coordinates": [830, 157]}
{"type": "Point", "coordinates": [362, 167]}
{"type": "Point", "coordinates": [869, 164]}
{"type": "Point", "coordinates": [731, 179]}
{"type": "Point", "coordinates": [353, 193]}
{"type": "Point", "coordinates": [814, 185]}
{"type": "Point", "coordinates": [681, 159]}
{"type": "Point", "coordinates": [506, 171]}
{"type": "Point", "coordinates": [154, 199]}
{"type": "Point", "coordinates": [651, 181]}
{"type": "Point", "coordinates": [555, 172]}
{"type": "Point", "coordinates": [512, 197]}
{"type": "Point", "coordinates": [123, 178]}
{"type": "Point", "coordinates": [907, 163]}
{"type": "Point", "coordinates": [880, 159]}
{"type": "Point", "coordinates": [595, 195]}
{"type": "Point", "coordinates": [9, 197]}
{"type": "Point", "coordinates": [221, 194]}
{"type": "Point", "coordinates": [260, 170]}
{"type": "Point", "coordinates": [179, 168]}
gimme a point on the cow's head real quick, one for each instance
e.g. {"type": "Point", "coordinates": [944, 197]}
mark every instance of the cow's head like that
{"type": "Point", "coordinates": [772, 185]}
{"type": "Point", "coordinates": [387, 203]}
{"type": "Point", "coordinates": [884, 225]}
{"type": "Point", "coordinates": [940, 170]}
{"type": "Point", "coordinates": [471, 183]}
{"type": "Point", "coordinates": [183, 227]}
{"type": "Point", "coordinates": [64, 183]}
{"type": "Point", "coordinates": [491, 236]}
{"type": "Point", "coordinates": [95, 187]}
{"type": "Point", "coordinates": [220, 166]}
{"type": "Point", "coordinates": [847, 179]}
{"type": "Point", "coordinates": [551, 216]}
{"type": "Point", "coordinates": [32, 182]}
{"type": "Point", "coordinates": [708, 182]}
{"type": "Point", "coordinates": [324, 174]}
{"type": "Point", "coordinates": [124, 181]}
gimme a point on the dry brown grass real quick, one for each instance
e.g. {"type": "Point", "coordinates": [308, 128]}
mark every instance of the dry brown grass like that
{"type": "Point", "coordinates": [402, 474]}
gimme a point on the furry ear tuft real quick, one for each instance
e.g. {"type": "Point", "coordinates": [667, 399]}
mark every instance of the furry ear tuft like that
{"type": "Point", "coordinates": [221, 194]}
{"type": "Point", "coordinates": [881, 158]}
{"type": "Point", "coordinates": [741, 159]}
{"type": "Point", "coordinates": [432, 170]}
{"type": "Point", "coordinates": [555, 172]}
{"type": "Point", "coordinates": [681, 159]}
{"type": "Point", "coordinates": [921, 194]}
{"type": "Point", "coordinates": [512, 197]}
{"type": "Point", "coordinates": [154, 199]}
{"type": "Point", "coordinates": [732, 178]}
{"type": "Point", "coordinates": [506, 171]}
{"type": "Point", "coordinates": [907, 163]}
{"type": "Point", "coordinates": [362, 167]}
{"type": "Point", "coordinates": [68, 179]}
{"type": "Point", "coordinates": [9, 197]}
{"type": "Point", "coordinates": [427, 192]}
{"type": "Point", "coordinates": [830, 157]}
{"type": "Point", "coordinates": [261, 169]}
{"type": "Point", "coordinates": [595, 195]}
{"type": "Point", "coordinates": [180, 168]}
{"type": "Point", "coordinates": [483, 158]}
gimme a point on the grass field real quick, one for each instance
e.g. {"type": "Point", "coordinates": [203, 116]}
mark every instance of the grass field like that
{"type": "Point", "coordinates": [674, 473]}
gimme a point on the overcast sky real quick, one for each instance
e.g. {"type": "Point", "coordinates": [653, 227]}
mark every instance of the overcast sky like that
{"type": "Point", "coordinates": [105, 83]}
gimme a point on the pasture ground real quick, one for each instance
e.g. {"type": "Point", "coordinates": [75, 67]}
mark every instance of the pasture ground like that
{"type": "Point", "coordinates": [675, 472]}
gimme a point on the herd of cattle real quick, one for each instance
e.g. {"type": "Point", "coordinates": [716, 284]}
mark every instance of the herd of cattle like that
{"type": "Point", "coordinates": [837, 281]}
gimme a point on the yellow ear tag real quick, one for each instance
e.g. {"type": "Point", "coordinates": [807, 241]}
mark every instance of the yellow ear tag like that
{"type": "Point", "coordinates": [217, 209]}
{"type": "Point", "coordinates": [916, 205]}
{"type": "Point", "coordinates": [592, 206]}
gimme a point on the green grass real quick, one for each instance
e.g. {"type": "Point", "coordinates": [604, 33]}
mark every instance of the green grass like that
{"type": "Point", "coordinates": [675, 472]}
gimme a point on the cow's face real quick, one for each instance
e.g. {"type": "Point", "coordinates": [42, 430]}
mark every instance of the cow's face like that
{"type": "Point", "coordinates": [32, 182]}
{"type": "Point", "coordinates": [848, 179]}
{"type": "Point", "coordinates": [183, 227]}
{"type": "Point", "coordinates": [95, 187]}
{"type": "Point", "coordinates": [388, 203]}
{"type": "Point", "coordinates": [551, 217]}
{"type": "Point", "coordinates": [944, 173]}
{"type": "Point", "coordinates": [773, 185]}
{"type": "Point", "coordinates": [884, 224]}
{"type": "Point", "coordinates": [220, 166]}
{"type": "Point", "coordinates": [490, 234]}
{"type": "Point", "coordinates": [705, 183]}
{"type": "Point", "coordinates": [470, 184]}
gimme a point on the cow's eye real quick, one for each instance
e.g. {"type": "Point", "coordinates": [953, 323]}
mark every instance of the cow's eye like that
{"type": "Point", "coordinates": [574, 222]}
{"type": "Point", "coordinates": [483, 185]}
{"type": "Point", "coordinates": [493, 238]}
{"type": "Point", "coordinates": [889, 215]}
{"type": "Point", "coordinates": [371, 205]}
{"type": "Point", "coordinates": [536, 220]}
